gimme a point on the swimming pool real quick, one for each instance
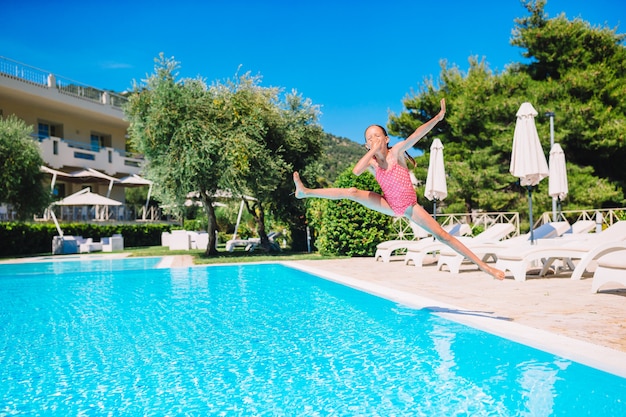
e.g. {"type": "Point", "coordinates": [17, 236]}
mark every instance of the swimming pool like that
{"type": "Point", "coordinates": [120, 337]}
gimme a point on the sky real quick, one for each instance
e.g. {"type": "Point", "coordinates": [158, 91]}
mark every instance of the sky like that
{"type": "Point", "coordinates": [356, 60]}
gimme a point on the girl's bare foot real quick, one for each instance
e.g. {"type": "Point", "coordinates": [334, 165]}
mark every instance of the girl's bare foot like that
{"type": "Point", "coordinates": [300, 188]}
{"type": "Point", "coordinates": [496, 273]}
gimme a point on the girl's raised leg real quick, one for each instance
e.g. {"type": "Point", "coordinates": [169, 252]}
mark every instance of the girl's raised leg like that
{"type": "Point", "coordinates": [369, 199]}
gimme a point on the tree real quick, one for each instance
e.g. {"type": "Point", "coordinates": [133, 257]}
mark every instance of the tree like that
{"type": "Point", "coordinates": [338, 155]}
{"type": "Point", "coordinates": [268, 139]}
{"type": "Point", "coordinates": [480, 120]}
{"type": "Point", "coordinates": [583, 72]}
{"type": "Point", "coordinates": [21, 178]}
{"type": "Point", "coordinates": [233, 135]}
{"type": "Point", "coordinates": [172, 124]}
{"type": "Point", "coordinates": [300, 150]}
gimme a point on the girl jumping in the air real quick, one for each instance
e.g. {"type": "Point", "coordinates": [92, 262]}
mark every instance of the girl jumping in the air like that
{"type": "Point", "coordinates": [399, 198]}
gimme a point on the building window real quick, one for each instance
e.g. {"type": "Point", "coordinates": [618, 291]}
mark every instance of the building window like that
{"type": "Point", "coordinates": [96, 142]}
{"type": "Point", "coordinates": [99, 140]}
{"type": "Point", "coordinates": [44, 130]}
{"type": "Point", "coordinates": [47, 129]}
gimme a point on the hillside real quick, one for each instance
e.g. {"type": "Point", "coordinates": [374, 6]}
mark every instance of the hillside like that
{"type": "Point", "coordinates": [339, 154]}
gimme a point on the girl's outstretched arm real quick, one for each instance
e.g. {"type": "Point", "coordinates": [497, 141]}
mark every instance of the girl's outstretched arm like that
{"type": "Point", "coordinates": [421, 131]}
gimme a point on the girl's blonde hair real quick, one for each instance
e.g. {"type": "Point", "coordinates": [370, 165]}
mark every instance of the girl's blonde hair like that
{"type": "Point", "coordinates": [408, 157]}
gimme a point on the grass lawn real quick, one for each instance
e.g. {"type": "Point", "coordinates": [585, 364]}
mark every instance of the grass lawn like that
{"type": "Point", "coordinates": [239, 255]}
{"type": "Point", "coordinates": [227, 257]}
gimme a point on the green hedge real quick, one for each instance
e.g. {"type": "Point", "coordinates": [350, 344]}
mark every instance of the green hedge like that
{"type": "Point", "coordinates": [36, 238]}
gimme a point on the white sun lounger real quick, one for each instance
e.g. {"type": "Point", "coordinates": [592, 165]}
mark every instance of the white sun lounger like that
{"type": "Point", "coordinates": [581, 227]}
{"type": "Point", "coordinates": [384, 250]}
{"type": "Point", "coordinates": [417, 252]}
{"type": "Point", "coordinates": [587, 249]}
{"type": "Point", "coordinates": [252, 243]}
{"type": "Point", "coordinates": [611, 269]}
{"type": "Point", "coordinates": [487, 251]}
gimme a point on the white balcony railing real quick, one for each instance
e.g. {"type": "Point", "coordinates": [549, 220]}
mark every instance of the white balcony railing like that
{"type": "Point", "coordinates": [35, 76]}
{"type": "Point", "coordinates": [603, 217]}
{"type": "Point", "coordinates": [59, 153]}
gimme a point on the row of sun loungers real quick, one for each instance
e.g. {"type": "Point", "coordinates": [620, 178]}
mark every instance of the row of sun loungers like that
{"type": "Point", "coordinates": [386, 249]}
{"type": "Point", "coordinates": [252, 243]}
{"type": "Point", "coordinates": [186, 240]}
{"type": "Point", "coordinates": [557, 247]}
{"type": "Point", "coordinates": [426, 244]}
{"type": "Point", "coordinates": [417, 253]}
{"type": "Point", "coordinates": [586, 248]}
{"type": "Point", "coordinates": [489, 250]}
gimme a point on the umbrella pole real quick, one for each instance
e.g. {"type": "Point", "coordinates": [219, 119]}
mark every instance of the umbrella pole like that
{"type": "Point", "coordinates": [56, 222]}
{"type": "Point", "coordinates": [238, 219]}
{"type": "Point", "coordinates": [530, 208]}
{"type": "Point", "coordinates": [145, 209]}
{"type": "Point", "coordinates": [435, 209]}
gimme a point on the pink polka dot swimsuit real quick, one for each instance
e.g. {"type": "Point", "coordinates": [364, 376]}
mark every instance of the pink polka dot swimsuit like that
{"type": "Point", "coordinates": [397, 188]}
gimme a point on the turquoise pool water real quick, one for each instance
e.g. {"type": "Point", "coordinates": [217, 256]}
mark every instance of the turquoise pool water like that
{"type": "Point", "coordinates": [118, 337]}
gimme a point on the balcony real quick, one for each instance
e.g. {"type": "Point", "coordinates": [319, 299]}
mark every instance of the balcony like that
{"type": "Point", "coordinates": [30, 79]}
{"type": "Point", "coordinates": [59, 153]}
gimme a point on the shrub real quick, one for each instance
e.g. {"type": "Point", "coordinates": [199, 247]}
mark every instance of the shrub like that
{"type": "Point", "coordinates": [196, 224]}
{"type": "Point", "coordinates": [17, 238]}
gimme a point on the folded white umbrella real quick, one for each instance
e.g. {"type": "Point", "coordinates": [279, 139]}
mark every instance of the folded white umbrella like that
{"type": "Point", "coordinates": [528, 162]}
{"type": "Point", "coordinates": [557, 183]}
{"type": "Point", "coordinates": [436, 186]}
